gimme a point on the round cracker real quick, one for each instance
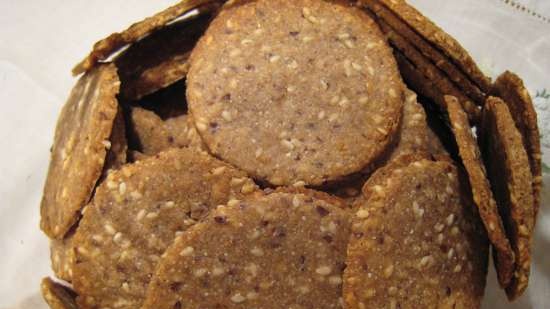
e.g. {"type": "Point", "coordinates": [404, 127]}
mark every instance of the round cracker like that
{"type": "Point", "coordinates": [510, 88]}
{"type": "Point", "coordinates": [57, 296]}
{"type": "Point", "coordinates": [512, 183]}
{"type": "Point", "coordinates": [288, 93]}
{"type": "Point", "coordinates": [481, 190]}
{"type": "Point", "coordinates": [416, 244]}
{"type": "Point", "coordinates": [278, 251]}
{"type": "Point", "coordinates": [62, 257]}
{"type": "Point", "coordinates": [136, 214]}
{"type": "Point", "coordinates": [79, 149]}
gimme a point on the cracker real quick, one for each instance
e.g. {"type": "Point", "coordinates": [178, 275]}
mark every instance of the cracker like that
{"type": "Point", "coordinates": [79, 149]}
{"type": "Point", "coordinates": [429, 72]}
{"type": "Point", "coordinates": [57, 296]}
{"type": "Point", "coordinates": [438, 38]}
{"type": "Point", "coordinates": [292, 95]}
{"type": "Point", "coordinates": [106, 47]}
{"type": "Point", "coordinates": [510, 88]}
{"type": "Point", "coordinates": [481, 190]}
{"type": "Point", "coordinates": [416, 244]}
{"type": "Point", "coordinates": [118, 145]}
{"type": "Point", "coordinates": [136, 214]}
{"type": "Point", "coordinates": [152, 135]}
{"type": "Point", "coordinates": [414, 40]}
{"type": "Point", "coordinates": [160, 59]}
{"type": "Point", "coordinates": [278, 251]}
{"type": "Point", "coordinates": [512, 183]}
{"type": "Point", "coordinates": [62, 257]}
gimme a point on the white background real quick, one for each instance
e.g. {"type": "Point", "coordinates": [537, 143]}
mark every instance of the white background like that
{"type": "Point", "coordinates": [40, 41]}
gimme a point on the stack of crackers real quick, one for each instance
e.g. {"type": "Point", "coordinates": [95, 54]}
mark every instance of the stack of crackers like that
{"type": "Point", "coordinates": [289, 154]}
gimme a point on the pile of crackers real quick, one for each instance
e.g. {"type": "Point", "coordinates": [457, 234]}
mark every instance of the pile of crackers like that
{"type": "Point", "coordinates": [289, 154]}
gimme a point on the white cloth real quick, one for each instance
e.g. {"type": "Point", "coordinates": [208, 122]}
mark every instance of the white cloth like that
{"type": "Point", "coordinates": [40, 41]}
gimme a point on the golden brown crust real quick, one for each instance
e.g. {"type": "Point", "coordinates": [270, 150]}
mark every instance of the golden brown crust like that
{"type": "Point", "coordinates": [481, 190]}
{"type": "Point", "coordinates": [272, 85]}
{"type": "Point", "coordinates": [136, 214]}
{"type": "Point", "coordinates": [118, 145]}
{"type": "Point", "coordinates": [512, 183]}
{"type": "Point", "coordinates": [437, 37]}
{"type": "Point", "coordinates": [79, 149]}
{"type": "Point", "coordinates": [416, 244]}
{"type": "Point", "coordinates": [159, 59]}
{"type": "Point", "coordinates": [277, 251]}
{"type": "Point", "coordinates": [57, 296]}
{"type": "Point", "coordinates": [62, 257]}
{"type": "Point", "coordinates": [510, 88]}
{"type": "Point", "coordinates": [104, 48]}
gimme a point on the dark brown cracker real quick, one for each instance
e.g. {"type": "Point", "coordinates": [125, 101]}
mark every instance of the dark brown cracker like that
{"type": "Point", "coordinates": [510, 88]}
{"type": "Point", "coordinates": [62, 257]}
{"type": "Point", "coordinates": [103, 49]}
{"type": "Point", "coordinates": [292, 94]}
{"type": "Point", "coordinates": [57, 296]}
{"type": "Point", "coordinates": [394, 23]}
{"type": "Point", "coordinates": [152, 135]}
{"type": "Point", "coordinates": [279, 251]}
{"type": "Point", "coordinates": [429, 72]}
{"type": "Point", "coordinates": [136, 214]}
{"type": "Point", "coordinates": [512, 183]}
{"type": "Point", "coordinates": [118, 145]}
{"type": "Point", "coordinates": [438, 38]}
{"type": "Point", "coordinates": [79, 149]}
{"type": "Point", "coordinates": [416, 244]}
{"type": "Point", "coordinates": [160, 59]}
{"type": "Point", "coordinates": [481, 190]}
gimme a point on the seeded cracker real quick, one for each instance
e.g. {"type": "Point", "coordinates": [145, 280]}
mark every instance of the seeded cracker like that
{"type": "Point", "coordinates": [136, 214]}
{"type": "Point", "coordinates": [510, 88]}
{"type": "Point", "coordinates": [117, 145]}
{"type": "Point", "coordinates": [481, 190]}
{"type": "Point", "coordinates": [438, 38]}
{"type": "Point", "coordinates": [282, 251]}
{"type": "Point", "coordinates": [103, 49]}
{"type": "Point", "coordinates": [511, 180]}
{"type": "Point", "coordinates": [416, 244]}
{"type": "Point", "coordinates": [160, 59]}
{"type": "Point", "coordinates": [62, 257]}
{"type": "Point", "coordinates": [290, 94]}
{"type": "Point", "coordinates": [57, 296]}
{"type": "Point", "coordinates": [429, 71]}
{"type": "Point", "coordinates": [415, 40]}
{"type": "Point", "coordinates": [79, 149]}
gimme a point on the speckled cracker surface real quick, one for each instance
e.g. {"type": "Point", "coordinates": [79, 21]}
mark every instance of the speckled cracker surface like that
{"type": "Point", "coordinates": [79, 149]}
{"type": "Point", "coordinates": [103, 49]}
{"type": "Point", "coordinates": [416, 244]}
{"type": "Point", "coordinates": [278, 251]}
{"type": "Point", "coordinates": [512, 183]}
{"type": "Point", "coordinates": [438, 38]}
{"type": "Point", "coordinates": [160, 59]}
{"type": "Point", "coordinates": [57, 296]}
{"type": "Point", "coordinates": [510, 88]}
{"type": "Point", "coordinates": [415, 40]}
{"type": "Point", "coordinates": [62, 257]}
{"type": "Point", "coordinates": [288, 93]}
{"type": "Point", "coordinates": [136, 214]}
{"type": "Point", "coordinates": [481, 190]}
{"type": "Point", "coordinates": [117, 145]}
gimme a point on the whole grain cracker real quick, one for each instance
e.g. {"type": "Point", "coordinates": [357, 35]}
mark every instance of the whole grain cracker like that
{"type": "Point", "coordinates": [415, 40]}
{"type": "Point", "coordinates": [104, 48]}
{"type": "Point", "coordinates": [305, 108]}
{"type": "Point", "coordinates": [430, 72]}
{"type": "Point", "coordinates": [481, 190]}
{"type": "Point", "coordinates": [278, 251]}
{"type": "Point", "coordinates": [57, 296]}
{"type": "Point", "coordinates": [79, 149]}
{"type": "Point", "coordinates": [118, 145]}
{"type": "Point", "coordinates": [160, 59]}
{"type": "Point", "coordinates": [62, 257]}
{"type": "Point", "coordinates": [136, 214]}
{"type": "Point", "coordinates": [510, 88]}
{"type": "Point", "coordinates": [512, 183]}
{"type": "Point", "coordinates": [416, 244]}
{"type": "Point", "coordinates": [438, 38]}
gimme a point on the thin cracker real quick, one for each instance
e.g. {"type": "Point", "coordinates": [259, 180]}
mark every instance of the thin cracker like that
{"type": "Point", "coordinates": [57, 296]}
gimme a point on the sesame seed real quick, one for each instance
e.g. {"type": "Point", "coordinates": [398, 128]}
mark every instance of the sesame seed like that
{"type": "Point", "coordinates": [347, 67]}
{"type": "Point", "coordinates": [370, 70]}
{"type": "Point", "coordinates": [217, 271]}
{"type": "Point", "coordinates": [135, 195]}
{"type": "Point", "coordinates": [426, 261]}
{"type": "Point", "coordinates": [388, 271]}
{"type": "Point", "coordinates": [450, 219]}
{"type": "Point", "coordinates": [257, 251]}
{"type": "Point", "coordinates": [118, 237]}
{"type": "Point", "coordinates": [251, 295]}
{"type": "Point", "coordinates": [343, 36]}
{"type": "Point", "coordinates": [235, 53]}
{"type": "Point", "coordinates": [259, 152]}
{"type": "Point", "coordinates": [335, 280]}
{"type": "Point", "coordinates": [381, 130]}
{"type": "Point", "coordinates": [274, 58]}
{"type": "Point", "coordinates": [107, 144]}
{"type": "Point", "coordinates": [349, 44]}
{"type": "Point", "coordinates": [112, 184]}
{"type": "Point", "coordinates": [363, 100]}
{"type": "Point", "coordinates": [392, 93]}
{"type": "Point", "coordinates": [287, 144]}
{"type": "Point", "coordinates": [248, 188]}
{"type": "Point", "coordinates": [295, 201]}
{"type": "Point", "coordinates": [201, 126]}
{"type": "Point", "coordinates": [333, 117]}
{"type": "Point", "coordinates": [362, 213]}
{"type": "Point", "coordinates": [321, 115]}
{"type": "Point", "coordinates": [299, 183]}
{"type": "Point", "coordinates": [110, 229]}
{"type": "Point", "coordinates": [122, 188]}
{"type": "Point", "coordinates": [247, 42]}
{"type": "Point", "coordinates": [454, 231]}
{"type": "Point", "coordinates": [323, 270]}
{"type": "Point", "coordinates": [457, 268]}
{"type": "Point", "coordinates": [152, 215]}
{"type": "Point", "coordinates": [218, 171]}
{"type": "Point", "coordinates": [451, 253]}
{"type": "Point", "coordinates": [356, 66]}
{"type": "Point", "coordinates": [226, 115]}
{"type": "Point", "coordinates": [334, 100]}
{"type": "Point", "coordinates": [200, 272]}
{"type": "Point", "coordinates": [439, 227]}
{"type": "Point", "coordinates": [233, 203]}
{"type": "Point", "coordinates": [187, 251]}
{"type": "Point", "coordinates": [344, 102]}
{"type": "Point", "coordinates": [293, 64]}
{"type": "Point", "coordinates": [307, 39]}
